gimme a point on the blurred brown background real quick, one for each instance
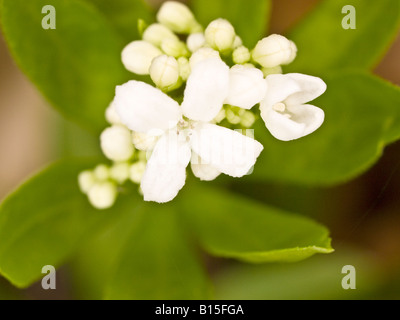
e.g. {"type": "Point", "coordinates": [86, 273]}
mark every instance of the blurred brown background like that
{"type": "Point", "coordinates": [366, 210]}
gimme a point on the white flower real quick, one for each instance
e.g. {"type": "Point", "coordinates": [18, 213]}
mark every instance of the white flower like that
{"type": "Point", "coordinates": [184, 68]}
{"type": "Point", "coordinates": [177, 17]}
{"type": "Point", "coordinates": [102, 195]}
{"type": "Point", "coordinates": [201, 170]}
{"type": "Point", "coordinates": [241, 55]}
{"type": "Point", "coordinates": [86, 180]}
{"type": "Point", "coordinates": [284, 111]}
{"type": "Point", "coordinates": [156, 33]}
{"type": "Point", "coordinates": [116, 143]}
{"type": "Point", "coordinates": [274, 50]}
{"type": "Point", "coordinates": [111, 115]}
{"type": "Point", "coordinates": [119, 172]}
{"type": "Point", "coordinates": [237, 42]}
{"type": "Point", "coordinates": [138, 55]}
{"type": "Point", "coordinates": [220, 35]}
{"type": "Point", "coordinates": [174, 48]}
{"type": "Point", "coordinates": [195, 41]}
{"type": "Point", "coordinates": [136, 171]}
{"type": "Point", "coordinates": [143, 141]}
{"type": "Point", "coordinates": [164, 71]}
{"type": "Point", "coordinates": [202, 54]}
{"type": "Point", "coordinates": [247, 87]}
{"type": "Point", "coordinates": [143, 108]}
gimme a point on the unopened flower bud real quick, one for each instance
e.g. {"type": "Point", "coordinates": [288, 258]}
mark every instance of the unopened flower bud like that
{"type": "Point", "coordinates": [248, 119]}
{"type": "Point", "coordinates": [119, 172]}
{"type": "Point", "coordinates": [184, 68]}
{"type": "Point", "coordinates": [195, 41]}
{"type": "Point", "coordinates": [138, 55]}
{"type": "Point", "coordinates": [164, 71]}
{"type": "Point", "coordinates": [86, 180]}
{"type": "Point", "coordinates": [136, 171]}
{"type": "Point", "coordinates": [274, 70]}
{"type": "Point", "coordinates": [274, 50]}
{"type": "Point", "coordinates": [178, 17]}
{"type": "Point", "coordinates": [156, 33]}
{"type": "Point", "coordinates": [101, 172]}
{"type": "Point", "coordinates": [220, 116]}
{"type": "Point", "coordinates": [241, 55]}
{"type": "Point", "coordinates": [112, 116]}
{"type": "Point", "coordinates": [143, 141]}
{"type": "Point", "coordinates": [174, 48]}
{"type": "Point", "coordinates": [232, 117]}
{"type": "Point", "coordinates": [220, 35]}
{"type": "Point", "coordinates": [102, 195]}
{"type": "Point", "coordinates": [237, 42]}
{"type": "Point", "coordinates": [202, 54]}
{"type": "Point", "coordinates": [116, 143]}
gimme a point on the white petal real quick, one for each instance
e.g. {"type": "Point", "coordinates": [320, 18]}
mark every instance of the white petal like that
{"type": "Point", "coordinates": [281, 127]}
{"type": "Point", "coordinates": [138, 55]}
{"type": "Point", "coordinates": [310, 88]}
{"type": "Point", "coordinates": [247, 87]}
{"type": "Point", "coordinates": [201, 170]}
{"type": "Point", "coordinates": [304, 119]}
{"type": "Point", "coordinates": [165, 173]}
{"type": "Point", "coordinates": [226, 150]}
{"type": "Point", "coordinates": [143, 108]}
{"type": "Point", "coordinates": [280, 87]}
{"type": "Point", "coordinates": [311, 116]}
{"type": "Point", "coordinates": [206, 90]}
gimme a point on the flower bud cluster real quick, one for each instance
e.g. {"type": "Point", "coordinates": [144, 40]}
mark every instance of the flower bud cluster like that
{"type": "Point", "coordinates": [170, 51]}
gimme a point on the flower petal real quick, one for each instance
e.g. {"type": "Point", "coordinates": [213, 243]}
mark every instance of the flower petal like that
{"type": "Point", "coordinates": [143, 108]}
{"type": "Point", "coordinates": [201, 170]}
{"type": "Point", "coordinates": [247, 86]}
{"type": "Point", "coordinates": [304, 119]}
{"type": "Point", "coordinates": [280, 87]}
{"type": "Point", "coordinates": [226, 150]}
{"type": "Point", "coordinates": [206, 90]}
{"type": "Point", "coordinates": [311, 116]}
{"type": "Point", "coordinates": [165, 172]}
{"type": "Point", "coordinates": [311, 88]}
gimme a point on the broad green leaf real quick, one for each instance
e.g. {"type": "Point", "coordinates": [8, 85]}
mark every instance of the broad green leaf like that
{"type": "Point", "coordinates": [324, 45]}
{"type": "Point", "coordinates": [45, 220]}
{"type": "Point", "coordinates": [249, 17]}
{"type": "Point", "coordinates": [156, 261]}
{"type": "Point", "coordinates": [362, 115]}
{"type": "Point", "coordinates": [314, 279]}
{"type": "Point", "coordinates": [232, 226]}
{"type": "Point", "coordinates": [77, 65]}
{"type": "Point", "coordinates": [124, 15]}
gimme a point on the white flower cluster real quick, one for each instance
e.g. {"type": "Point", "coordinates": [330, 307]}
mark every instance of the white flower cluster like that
{"type": "Point", "coordinates": [206, 84]}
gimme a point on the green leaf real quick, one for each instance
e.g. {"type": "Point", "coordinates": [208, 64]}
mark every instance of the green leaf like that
{"type": "Point", "coordinates": [314, 279]}
{"type": "Point", "coordinates": [232, 226]}
{"type": "Point", "coordinates": [77, 65]}
{"type": "Point", "coordinates": [362, 115]}
{"type": "Point", "coordinates": [156, 261]}
{"type": "Point", "coordinates": [324, 45]}
{"type": "Point", "coordinates": [124, 15]}
{"type": "Point", "coordinates": [45, 220]}
{"type": "Point", "coordinates": [249, 17]}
